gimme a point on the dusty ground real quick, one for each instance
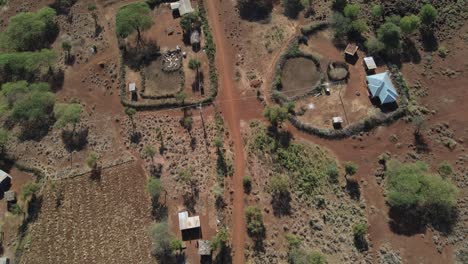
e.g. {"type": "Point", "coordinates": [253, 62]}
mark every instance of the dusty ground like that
{"type": "Point", "coordinates": [159, 83]}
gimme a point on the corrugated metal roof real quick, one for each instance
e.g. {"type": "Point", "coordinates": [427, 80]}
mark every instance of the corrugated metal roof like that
{"type": "Point", "coordinates": [370, 63]}
{"type": "Point", "coordinates": [4, 175]}
{"type": "Point", "coordinates": [186, 222]}
{"type": "Point", "coordinates": [380, 85]}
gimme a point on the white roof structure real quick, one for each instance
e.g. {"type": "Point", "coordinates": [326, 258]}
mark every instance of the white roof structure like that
{"type": "Point", "coordinates": [337, 120]}
{"type": "Point", "coordinates": [4, 176]}
{"type": "Point", "coordinates": [186, 222]}
{"type": "Point", "coordinates": [184, 7]}
{"type": "Point", "coordinates": [131, 87]}
{"type": "Point", "coordinates": [4, 260]}
{"type": "Point", "coordinates": [370, 63]}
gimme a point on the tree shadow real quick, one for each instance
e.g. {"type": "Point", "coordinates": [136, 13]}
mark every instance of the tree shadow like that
{"type": "Point", "coordinates": [429, 40]}
{"type": "Point", "coordinates": [96, 174]}
{"type": "Point", "coordinates": [420, 142]}
{"type": "Point", "coordinates": [75, 141]}
{"type": "Point", "coordinates": [159, 211]}
{"type": "Point", "coordinates": [34, 130]}
{"type": "Point", "coordinates": [353, 189]}
{"type": "Point", "coordinates": [136, 57]}
{"type": "Point", "coordinates": [135, 137]}
{"type": "Point", "coordinates": [281, 203]}
{"type": "Point", "coordinates": [361, 244]}
{"type": "Point", "coordinates": [406, 221]}
{"type": "Point", "coordinates": [410, 52]}
{"type": "Point", "coordinates": [224, 256]}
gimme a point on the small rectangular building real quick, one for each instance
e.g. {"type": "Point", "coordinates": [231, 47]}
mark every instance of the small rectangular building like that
{"type": "Point", "coordinates": [10, 196]}
{"type": "Point", "coordinates": [204, 248]}
{"type": "Point", "coordinates": [183, 6]}
{"type": "Point", "coordinates": [4, 260]}
{"type": "Point", "coordinates": [337, 122]}
{"type": "Point", "coordinates": [351, 49]}
{"type": "Point", "coordinates": [186, 222]}
{"type": "Point", "coordinates": [369, 63]}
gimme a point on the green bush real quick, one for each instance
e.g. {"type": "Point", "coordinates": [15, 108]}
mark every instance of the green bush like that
{"type": "Point", "coordinates": [292, 8]}
{"type": "Point", "coordinates": [162, 239]}
{"type": "Point", "coordinates": [247, 182]}
{"type": "Point", "coordinates": [278, 184]}
{"type": "Point", "coordinates": [359, 233]}
{"type": "Point", "coordinates": [293, 241]}
{"type": "Point", "coordinates": [374, 46]}
{"type": "Point", "coordinates": [30, 31]}
{"type": "Point", "coordinates": [194, 64]}
{"type": "Point", "coordinates": [28, 190]}
{"type": "Point", "coordinates": [445, 169]}
{"type": "Point", "coordinates": [220, 239]}
{"type": "Point", "coordinates": [154, 188]}
{"type": "Point", "coordinates": [389, 34]}
{"type": "Point", "coordinates": [301, 256]}
{"type": "Point", "coordinates": [333, 173]}
{"type": "Point", "coordinates": [409, 24]}
{"type": "Point", "coordinates": [276, 114]}
{"type": "Point", "coordinates": [377, 11]}
{"type": "Point", "coordinates": [428, 14]}
{"type": "Point", "coordinates": [410, 186]}
{"type": "Point", "coordinates": [350, 168]}
{"type": "Point", "coordinates": [255, 227]}
{"type": "Point", "coordinates": [352, 11]}
{"type": "Point", "coordinates": [25, 65]}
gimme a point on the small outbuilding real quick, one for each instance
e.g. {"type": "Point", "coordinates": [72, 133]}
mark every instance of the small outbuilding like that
{"type": "Point", "coordinates": [204, 248]}
{"type": "Point", "coordinates": [186, 222]}
{"type": "Point", "coordinates": [4, 260]}
{"type": "Point", "coordinates": [195, 40]}
{"type": "Point", "coordinates": [337, 122]}
{"type": "Point", "coordinates": [132, 90]}
{"type": "Point", "coordinates": [369, 63]}
{"type": "Point", "coordinates": [10, 196]}
{"type": "Point", "coordinates": [5, 180]}
{"type": "Point", "coordinates": [380, 86]}
{"type": "Point", "coordinates": [351, 49]}
{"type": "Point", "coordinates": [182, 6]}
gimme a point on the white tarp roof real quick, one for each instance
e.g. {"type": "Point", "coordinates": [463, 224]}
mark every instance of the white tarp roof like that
{"type": "Point", "coordinates": [184, 7]}
{"type": "Point", "coordinates": [370, 63]}
{"type": "Point", "coordinates": [175, 5]}
{"type": "Point", "coordinates": [186, 222]}
{"type": "Point", "coordinates": [4, 175]}
{"type": "Point", "coordinates": [132, 87]}
{"type": "Point", "coordinates": [337, 120]}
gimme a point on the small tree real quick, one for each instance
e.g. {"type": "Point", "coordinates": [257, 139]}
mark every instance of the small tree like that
{"type": "Point", "coordinates": [247, 183]}
{"type": "Point", "coordinates": [409, 24]}
{"type": "Point", "coordinates": [352, 11]}
{"type": "Point", "coordinates": [428, 15]}
{"type": "Point", "coordinates": [154, 188]}
{"type": "Point", "coordinates": [445, 170]}
{"type": "Point", "coordinates": [130, 112]}
{"type": "Point", "coordinates": [67, 114]}
{"type": "Point", "coordinates": [255, 227]}
{"type": "Point", "coordinates": [162, 240]}
{"type": "Point", "coordinates": [374, 46]}
{"type": "Point", "coordinates": [389, 34]}
{"type": "Point", "coordinates": [92, 161]}
{"type": "Point", "coordinates": [66, 46]}
{"type": "Point", "coordinates": [187, 122]}
{"type": "Point", "coordinates": [133, 17]}
{"type": "Point", "coordinates": [180, 98]}
{"type": "Point", "coordinates": [149, 151]}
{"type": "Point", "coordinates": [293, 241]}
{"type": "Point", "coordinates": [333, 173]}
{"type": "Point", "coordinates": [359, 233]}
{"type": "Point", "coordinates": [350, 168]}
{"type": "Point", "coordinates": [276, 114]}
{"type": "Point", "coordinates": [28, 190]}
{"type": "Point", "coordinates": [279, 184]}
{"type": "Point", "coordinates": [377, 11]}
{"type": "Point", "coordinates": [194, 64]}
{"type": "Point", "coordinates": [220, 239]}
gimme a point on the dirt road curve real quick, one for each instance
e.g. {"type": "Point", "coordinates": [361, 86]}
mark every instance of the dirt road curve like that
{"type": "Point", "coordinates": [229, 93]}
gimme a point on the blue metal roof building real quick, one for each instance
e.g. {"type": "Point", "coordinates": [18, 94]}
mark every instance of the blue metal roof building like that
{"type": "Point", "coordinates": [380, 85]}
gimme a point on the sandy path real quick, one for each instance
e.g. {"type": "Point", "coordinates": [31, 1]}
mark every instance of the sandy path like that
{"type": "Point", "coordinates": [230, 110]}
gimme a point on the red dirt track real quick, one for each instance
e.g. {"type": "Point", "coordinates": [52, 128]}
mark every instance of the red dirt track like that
{"type": "Point", "coordinates": [230, 95]}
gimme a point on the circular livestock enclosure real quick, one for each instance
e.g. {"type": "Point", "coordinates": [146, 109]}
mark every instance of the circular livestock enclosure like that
{"type": "Point", "coordinates": [337, 71]}
{"type": "Point", "coordinates": [300, 75]}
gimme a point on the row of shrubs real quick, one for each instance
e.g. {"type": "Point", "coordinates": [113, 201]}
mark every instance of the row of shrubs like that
{"type": "Point", "coordinates": [210, 50]}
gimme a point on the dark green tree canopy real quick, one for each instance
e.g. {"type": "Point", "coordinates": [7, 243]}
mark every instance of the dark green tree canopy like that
{"type": "Point", "coordinates": [133, 17]}
{"type": "Point", "coordinates": [276, 114]}
{"type": "Point", "coordinates": [409, 24]}
{"type": "Point", "coordinates": [67, 114]}
{"type": "Point", "coordinates": [254, 9]}
{"type": "Point", "coordinates": [389, 34]}
{"type": "Point", "coordinates": [30, 31]}
{"type": "Point", "coordinates": [16, 91]}
{"type": "Point", "coordinates": [35, 106]}
{"type": "Point", "coordinates": [292, 8]}
{"type": "Point", "coordinates": [25, 65]}
{"type": "Point", "coordinates": [428, 14]}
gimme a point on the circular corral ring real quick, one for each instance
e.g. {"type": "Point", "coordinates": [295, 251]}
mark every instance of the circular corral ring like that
{"type": "Point", "coordinates": [337, 71]}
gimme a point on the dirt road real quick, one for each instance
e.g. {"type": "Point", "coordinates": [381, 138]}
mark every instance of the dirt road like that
{"type": "Point", "coordinates": [230, 110]}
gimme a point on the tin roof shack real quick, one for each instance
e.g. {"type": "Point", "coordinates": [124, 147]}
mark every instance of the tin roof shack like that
{"type": "Point", "coordinates": [4, 260]}
{"type": "Point", "coordinates": [195, 40]}
{"type": "Point", "coordinates": [5, 181]}
{"type": "Point", "coordinates": [351, 53]}
{"type": "Point", "coordinates": [10, 196]}
{"type": "Point", "coordinates": [182, 6]}
{"type": "Point", "coordinates": [189, 226]}
{"type": "Point", "coordinates": [132, 90]}
{"type": "Point", "coordinates": [337, 122]}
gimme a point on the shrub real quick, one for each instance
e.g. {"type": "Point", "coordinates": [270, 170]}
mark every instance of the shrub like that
{"type": "Point", "coordinates": [162, 239]}
{"type": "Point", "coordinates": [377, 11]}
{"type": "Point", "coordinates": [293, 241]}
{"type": "Point", "coordinates": [276, 114]}
{"type": "Point", "coordinates": [28, 190]}
{"type": "Point", "coordinates": [409, 24]}
{"type": "Point", "coordinates": [26, 65]}
{"type": "Point", "coordinates": [154, 188]}
{"type": "Point", "coordinates": [445, 169]}
{"type": "Point", "coordinates": [301, 256]}
{"type": "Point", "coordinates": [350, 168]}
{"type": "Point", "coordinates": [333, 173]}
{"type": "Point", "coordinates": [255, 227]}
{"type": "Point", "coordinates": [359, 233]}
{"type": "Point", "coordinates": [341, 25]}
{"type": "Point", "coordinates": [30, 31]}
{"type": "Point", "coordinates": [374, 46]}
{"type": "Point", "coordinates": [67, 114]}
{"type": "Point", "coordinates": [247, 182]}
{"type": "Point", "coordinates": [194, 64]}
{"type": "Point", "coordinates": [15, 209]}
{"type": "Point", "coordinates": [352, 11]}
{"type": "Point", "coordinates": [410, 186]}
{"type": "Point", "coordinates": [91, 160]}
{"type": "Point", "coordinates": [254, 9]}
{"type": "Point", "coordinates": [188, 21]}
{"type": "Point", "coordinates": [220, 239]}
{"type": "Point", "coordinates": [279, 184]}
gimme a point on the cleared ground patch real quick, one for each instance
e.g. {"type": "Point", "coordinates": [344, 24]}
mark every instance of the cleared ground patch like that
{"type": "Point", "coordinates": [102, 221]}
{"type": "Point", "coordinates": [298, 75]}
{"type": "Point", "coordinates": [159, 83]}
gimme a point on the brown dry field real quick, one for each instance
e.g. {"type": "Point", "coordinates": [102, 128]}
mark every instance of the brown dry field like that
{"type": "Point", "coordinates": [298, 76]}
{"type": "Point", "coordinates": [159, 83]}
{"type": "Point", "coordinates": [97, 221]}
